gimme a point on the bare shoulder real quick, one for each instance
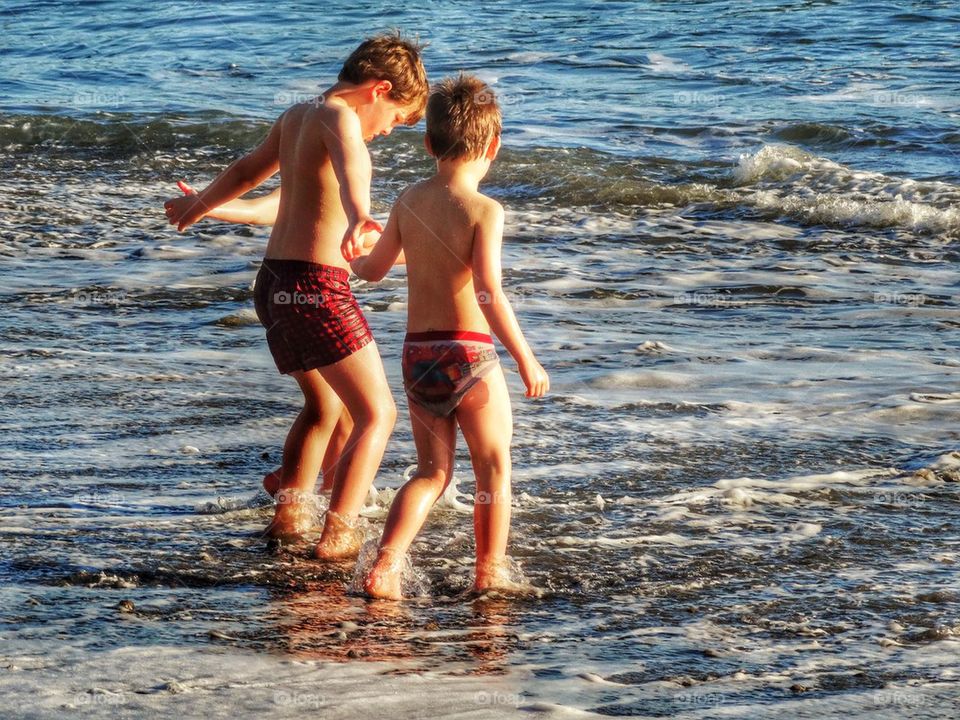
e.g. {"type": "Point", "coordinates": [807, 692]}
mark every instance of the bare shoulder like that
{"type": "Point", "coordinates": [328, 120]}
{"type": "Point", "coordinates": [411, 195]}
{"type": "Point", "coordinates": [485, 210]}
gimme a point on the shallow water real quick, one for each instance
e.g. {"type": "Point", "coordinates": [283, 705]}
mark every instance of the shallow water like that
{"type": "Point", "coordinates": [732, 238]}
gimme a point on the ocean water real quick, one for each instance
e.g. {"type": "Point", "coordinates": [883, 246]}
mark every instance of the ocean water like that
{"type": "Point", "coordinates": [732, 238]}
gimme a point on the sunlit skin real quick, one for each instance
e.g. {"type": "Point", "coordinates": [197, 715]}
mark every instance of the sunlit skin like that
{"type": "Point", "coordinates": [319, 149]}
{"type": "Point", "coordinates": [451, 236]}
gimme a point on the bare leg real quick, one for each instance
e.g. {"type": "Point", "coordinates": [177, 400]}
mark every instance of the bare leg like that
{"type": "Point", "coordinates": [487, 424]}
{"type": "Point", "coordinates": [361, 385]}
{"type": "Point", "coordinates": [338, 441]}
{"type": "Point", "coordinates": [435, 438]}
{"type": "Point", "coordinates": [302, 455]}
{"type": "Point", "coordinates": [273, 480]}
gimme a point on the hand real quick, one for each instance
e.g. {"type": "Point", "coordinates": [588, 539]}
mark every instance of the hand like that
{"type": "Point", "coordinates": [535, 378]}
{"type": "Point", "coordinates": [369, 239]}
{"type": "Point", "coordinates": [186, 210]}
{"type": "Point", "coordinates": [352, 245]}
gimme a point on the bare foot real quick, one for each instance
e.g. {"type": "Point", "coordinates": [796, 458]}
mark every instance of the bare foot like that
{"type": "Point", "coordinates": [341, 539]}
{"type": "Point", "coordinates": [272, 482]}
{"type": "Point", "coordinates": [293, 516]}
{"type": "Point", "coordinates": [495, 575]}
{"type": "Point", "coordinates": [383, 580]}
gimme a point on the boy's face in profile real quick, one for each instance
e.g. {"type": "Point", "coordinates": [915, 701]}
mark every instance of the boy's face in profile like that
{"type": "Point", "coordinates": [381, 116]}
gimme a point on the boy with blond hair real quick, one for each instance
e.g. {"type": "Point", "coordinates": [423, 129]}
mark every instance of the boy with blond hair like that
{"type": "Point", "coordinates": [451, 236]}
{"type": "Point", "coordinates": [315, 329]}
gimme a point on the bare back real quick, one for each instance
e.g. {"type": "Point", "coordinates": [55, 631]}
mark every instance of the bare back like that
{"type": "Point", "coordinates": [437, 229]}
{"type": "Point", "coordinates": [310, 220]}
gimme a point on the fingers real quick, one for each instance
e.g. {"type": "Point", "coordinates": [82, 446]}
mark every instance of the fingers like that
{"type": "Point", "coordinates": [351, 249]}
{"type": "Point", "coordinates": [352, 246]}
{"type": "Point", "coordinates": [187, 190]}
{"type": "Point", "coordinates": [172, 211]}
{"type": "Point", "coordinates": [539, 386]}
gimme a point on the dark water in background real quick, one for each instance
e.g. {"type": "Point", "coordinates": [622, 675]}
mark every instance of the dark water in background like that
{"type": "Point", "coordinates": [732, 237]}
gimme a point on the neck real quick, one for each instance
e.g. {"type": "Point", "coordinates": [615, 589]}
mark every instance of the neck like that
{"type": "Point", "coordinates": [462, 173]}
{"type": "Point", "coordinates": [346, 92]}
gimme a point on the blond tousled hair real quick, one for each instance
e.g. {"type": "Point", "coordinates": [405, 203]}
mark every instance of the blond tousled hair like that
{"type": "Point", "coordinates": [462, 117]}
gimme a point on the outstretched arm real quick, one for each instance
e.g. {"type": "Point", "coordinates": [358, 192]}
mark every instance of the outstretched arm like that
{"type": "Point", "coordinates": [253, 211]}
{"type": "Point", "coordinates": [385, 253]}
{"type": "Point", "coordinates": [240, 177]}
{"type": "Point", "coordinates": [487, 242]}
{"type": "Point", "coordinates": [351, 164]}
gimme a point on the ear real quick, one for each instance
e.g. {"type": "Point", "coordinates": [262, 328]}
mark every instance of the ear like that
{"type": "Point", "coordinates": [492, 148]}
{"type": "Point", "coordinates": [382, 88]}
{"type": "Point", "coordinates": [427, 145]}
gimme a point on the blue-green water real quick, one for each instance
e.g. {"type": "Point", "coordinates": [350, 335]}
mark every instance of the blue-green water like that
{"type": "Point", "coordinates": [732, 237]}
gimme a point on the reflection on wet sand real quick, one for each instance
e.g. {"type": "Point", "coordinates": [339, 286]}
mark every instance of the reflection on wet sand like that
{"type": "Point", "coordinates": [320, 621]}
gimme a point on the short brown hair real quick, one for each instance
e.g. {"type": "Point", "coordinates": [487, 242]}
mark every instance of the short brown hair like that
{"type": "Point", "coordinates": [394, 58]}
{"type": "Point", "coordinates": [462, 117]}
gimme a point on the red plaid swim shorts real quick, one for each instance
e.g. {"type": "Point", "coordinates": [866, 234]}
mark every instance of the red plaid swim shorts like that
{"type": "Point", "coordinates": [310, 314]}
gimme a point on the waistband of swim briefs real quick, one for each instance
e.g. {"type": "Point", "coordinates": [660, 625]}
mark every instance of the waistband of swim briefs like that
{"type": "Point", "coordinates": [300, 267]}
{"type": "Point", "coordinates": [448, 335]}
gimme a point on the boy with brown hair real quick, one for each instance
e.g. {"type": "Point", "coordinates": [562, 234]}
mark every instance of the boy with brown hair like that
{"type": "Point", "coordinates": [315, 329]}
{"type": "Point", "coordinates": [451, 236]}
{"type": "Point", "coordinates": [262, 210]}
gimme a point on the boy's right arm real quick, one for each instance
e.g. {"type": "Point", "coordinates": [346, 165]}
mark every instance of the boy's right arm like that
{"type": "Point", "coordinates": [254, 211]}
{"type": "Point", "coordinates": [487, 242]}
{"type": "Point", "coordinates": [385, 253]}
{"type": "Point", "coordinates": [242, 175]}
{"type": "Point", "coordinates": [351, 164]}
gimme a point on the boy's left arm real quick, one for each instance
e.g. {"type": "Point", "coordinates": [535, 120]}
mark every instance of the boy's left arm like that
{"type": "Point", "coordinates": [494, 304]}
{"type": "Point", "coordinates": [242, 175]}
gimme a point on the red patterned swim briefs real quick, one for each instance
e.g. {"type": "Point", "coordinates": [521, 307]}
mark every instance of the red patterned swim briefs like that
{"type": "Point", "coordinates": [441, 367]}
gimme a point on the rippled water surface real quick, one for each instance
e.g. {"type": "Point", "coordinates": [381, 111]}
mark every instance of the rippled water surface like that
{"type": "Point", "coordinates": [732, 237]}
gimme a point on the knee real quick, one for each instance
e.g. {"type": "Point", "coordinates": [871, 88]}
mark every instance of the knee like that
{"type": "Point", "coordinates": [492, 462]}
{"type": "Point", "coordinates": [433, 481]}
{"type": "Point", "coordinates": [382, 413]}
{"type": "Point", "coordinates": [318, 418]}
{"type": "Point", "coordinates": [438, 475]}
